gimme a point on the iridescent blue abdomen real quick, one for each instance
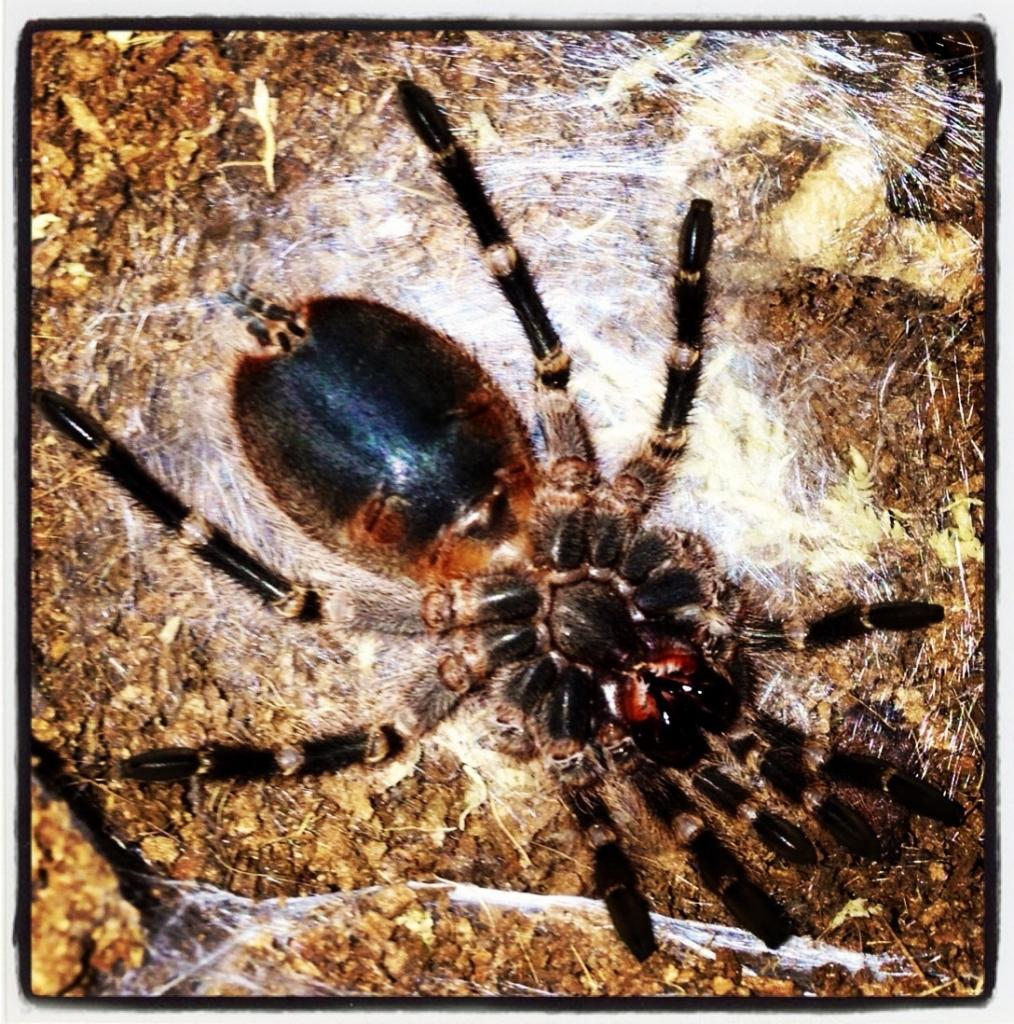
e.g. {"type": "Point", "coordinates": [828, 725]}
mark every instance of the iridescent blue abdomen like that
{"type": "Point", "coordinates": [379, 430]}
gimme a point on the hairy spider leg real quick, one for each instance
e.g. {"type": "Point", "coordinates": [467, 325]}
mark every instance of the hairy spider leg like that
{"type": "Point", "coordinates": [245, 762]}
{"type": "Point", "coordinates": [717, 867]}
{"type": "Point", "coordinates": [842, 624]}
{"type": "Point", "coordinates": [132, 872]}
{"type": "Point", "coordinates": [791, 761]}
{"type": "Point", "coordinates": [562, 712]}
{"type": "Point", "coordinates": [430, 699]}
{"type": "Point", "coordinates": [566, 434]}
{"type": "Point", "coordinates": [792, 764]}
{"type": "Point", "coordinates": [615, 877]}
{"type": "Point", "coordinates": [208, 541]}
{"type": "Point", "coordinates": [650, 469]}
{"type": "Point", "coordinates": [502, 257]}
{"type": "Point", "coordinates": [571, 473]}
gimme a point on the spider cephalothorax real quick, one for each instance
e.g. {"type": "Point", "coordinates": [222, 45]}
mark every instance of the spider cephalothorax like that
{"type": "Point", "coordinates": [607, 647]}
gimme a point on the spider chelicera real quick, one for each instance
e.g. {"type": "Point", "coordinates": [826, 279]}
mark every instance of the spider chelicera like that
{"type": "Point", "coordinates": [609, 648]}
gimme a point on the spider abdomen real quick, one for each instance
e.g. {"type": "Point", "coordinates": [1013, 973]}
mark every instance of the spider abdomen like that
{"type": "Point", "coordinates": [380, 430]}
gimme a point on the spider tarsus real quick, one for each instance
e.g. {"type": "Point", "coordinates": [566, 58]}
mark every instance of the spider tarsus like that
{"type": "Point", "coordinates": [722, 873]}
{"type": "Point", "coordinates": [911, 792]}
{"type": "Point", "coordinates": [631, 917]}
{"type": "Point", "coordinates": [756, 911]}
{"type": "Point", "coordinates": [909, 193]}
{"type": "Point", "coordinates": [112, 457]}
{"type": "Point", "coordinates": [166, 764]}
{"type": "Point", "coordinates": [904, 614]}
{"type": "Point", "coordinates": [849, 828]}
{"type": "Point", "coordinates": [615, 877]}
{"type": "Point", "coordinates": [859, 619]}
{"type": "Point", "coordinates": [696, 236]}
{"type": "Point", "coordinates": [785, 840]}
{"type": "Point", "coordinates": [616, 880]}
{"type": "Point", "coordinates": [428, 120]}
{"type": "Point", "coordinates": [922, 798]}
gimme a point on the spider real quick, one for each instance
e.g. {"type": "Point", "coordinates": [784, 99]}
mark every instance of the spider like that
{"type": "Point", "coordinates": [611, 649]}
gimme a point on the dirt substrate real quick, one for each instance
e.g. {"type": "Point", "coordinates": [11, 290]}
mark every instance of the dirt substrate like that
{"type": "Point", "coordinates": [850, 356]}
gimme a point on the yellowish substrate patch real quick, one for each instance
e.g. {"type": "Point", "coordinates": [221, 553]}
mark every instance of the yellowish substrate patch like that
{"type": "Point", "coordinates": [958, 543]}
{"type": "Point", "coordinates": [742, 457]}
{"type": "Point", "coordinates": [838, 220]}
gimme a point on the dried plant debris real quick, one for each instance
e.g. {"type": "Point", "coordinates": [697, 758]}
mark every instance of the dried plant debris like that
{"type": "Point", "coordinates": [835, 454]}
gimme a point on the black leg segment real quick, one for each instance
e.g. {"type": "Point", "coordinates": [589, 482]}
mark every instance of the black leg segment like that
{"type": "Point", "coordinates": [332, 753]}
{"type": "Point", "coordinates": [843, 624]}
{"type": "Point", "coordinates": [917, 795]}
{"type": "Point", "coordinates": [223, 554]}
{"type": "Point", "coordinates": [207, 541]}
{"type": "Point", "coordinates": [860, 619]}
{"type": "Point", "coordinates": [112, 458]}
{"type": "Point", "coordinates": [651, 468]}
{"type": "Point", "coordinates": [242, 762]}
{"type": "Point", "coordinates": [722, 873]}
{"type": "Point", "coordinates": [615, 878]}
{"type": "Point", "coordinates": [785, 840]}
{"type": "Point", "coordinates": [684, 366]}
{"type": "Point", "coordinates": [174, 764]}
{"type": "Point", "coordinates": [691, 280]}
{"type": "Point", "coordinates": [504, 260]}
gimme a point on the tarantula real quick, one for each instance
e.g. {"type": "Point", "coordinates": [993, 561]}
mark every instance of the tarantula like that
{"type": "Point", "coordinates": [607, 646]}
